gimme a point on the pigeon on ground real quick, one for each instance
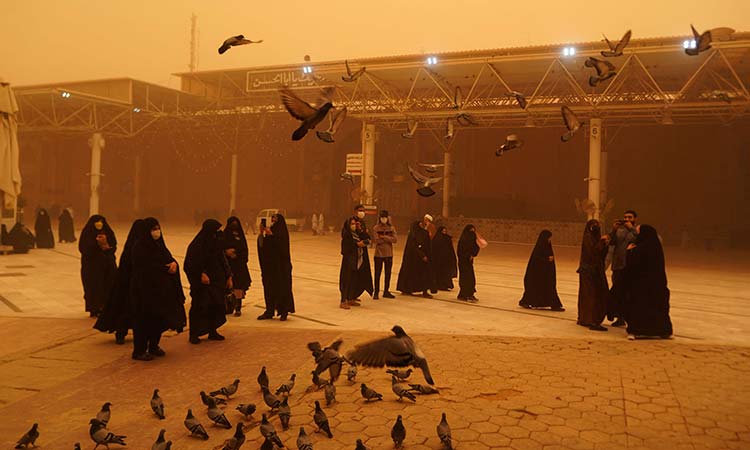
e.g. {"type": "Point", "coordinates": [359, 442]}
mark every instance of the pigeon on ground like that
{"type": "Point", "coordinates": [236, 441]}
{"type": "Point", "coordinates": [352, 76]}
{"type": "Point", "coordinates": [325, 357]}
{"type": "Point", "coordinates": [347, 176]}
{"type": "Point", "coordinates": [571, 123]}
{"type": "Point", "coordinates": [303, 440]}
{"type": "Point", "coordinates": [29, 438]}
{"type": "Point", "coordinates": [444, 433]}
{"type": "Point", "coordinates": [157, 405]}
{"type": "Point", "coordinates": [330, 393]}
{"type": "Point", "coordinates": [702, 42]}
{"type": "Point", "coordinates": [269, 432]}
{"type": "Point", "coordinates": [194, 427]}
{"type": "Point", "coordinates": [102, 436]}
{"type": "Point", "coordinates": [271, 400]}
{"type": "Point", "coordinates": [616, 49]}
{"type": "Point", "coordinates": [398, 432]}
{"type": "Point", "coordinates": [285, 413]}
{"type": "Point", "coordinates": [246, 409]}
{"type": "Point", "coordinates": [217, 415]}
{"type": "Point", "coordinates": [424, 182]}
{"type": "Point", "coordinates": [369, 393]}
{"type": "Point", "coordinates": [105, 413]}
{"type": "Point", "coordinates": [336, 118]}
{"type": "Point", "coordinates": [268, 445]}
{"type": "Point", "coordinates": [411, 128]}
{"type": "Point", "coordinates": [431, 168]}
{"type": "Point", "coordinates": [309, 115]}
{"type": "Point", "coordinates": [218, 400]}
{"type": "Point", "coordinates": [511, 142]}
{"type": "Point", "coordinates": [520, 98]}
{"type": "Point", "coordinates": [235, 41]}
{"type": "Point", "coordinates": [392, 351]}
{"type": "Point", "coordinates": [321, 420]}
{"type": "Point", "coordinates": [449, 129]}
{"type": "Point", "coordinates": [227, 391]}
{"type": "Point", "coordinates": [351, 374]}
{"type": "Point", "coordinates": [402, 390]}
{"type": "Point", "coordinates": [318, 382]}
{"type": "Point", "coordinates": [422, 389]}
{"type": "Point", "coordinates": [361, 445]}
{"type": "Point", "coordinates": [287, 387]}
{"type": "Point", "coordinates": [400, 374]}
{"type": "Point", "coordinates": [604, 70]}
{"type": "Point", "coordinates": [160, 443]}
{"type": "Point", "coordinates": [263, 378]}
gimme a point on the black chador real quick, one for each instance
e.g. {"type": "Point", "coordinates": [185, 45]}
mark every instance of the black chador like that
{"type": "Point", "coordinates": [593, 292]}
{"type": "Point", "coordinates": [66, 230]}
{"type": "Point", "coordinates": [415, 274]}
{"type": "Point", "coordinates": [43, 230]}
{"type": "Point", "coordinates": [355, 276]}
{"type": "Point", "coordinates": [540, 281]}
{"type": "Point", "coordinates": [234, 236]}
{"type": "Point", "coordinates": [98, 264]}
{"type": "Point", "coordinates": [443, 259]}
{"type": "Point", "coordinates": [276, 269]}
{"type": "Point", "coordinates": [468, 249]}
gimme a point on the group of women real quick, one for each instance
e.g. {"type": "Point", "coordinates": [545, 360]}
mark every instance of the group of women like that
{"type": "Point", "coordinates": [22, 239]}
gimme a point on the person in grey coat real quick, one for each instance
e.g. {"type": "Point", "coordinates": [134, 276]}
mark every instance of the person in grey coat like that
{"type": "Point", "coordinates": [384, 238]}
{"type": "Point", "coordinates": [623, 234]}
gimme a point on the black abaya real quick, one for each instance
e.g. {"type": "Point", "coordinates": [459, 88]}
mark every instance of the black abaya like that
{"type": "Point", "coordinates": [66, 231]}
{"type": "Point", "coordinates": [43, 230]}
{"type": "Point", "coordinates": [443, 260]}
{"type": "Point", "coordinates": [540, 281]}
{"type": "Point", "coordinates": [355, 276]}
{"type": "Point", "coordinates": [235, 237]}
{"type": "Point", "coordinates": [98, 265]}
{"type": "Point", "coordinates": [21, 238]}
{"type": "Point", "coordinates": [468, 249]}
{"type": "Point", "coordinates": [593, 292]}
{"type": "Point", "coordinates": [415, 275]}
{"type": "Point", "coordinates": [276, 269]}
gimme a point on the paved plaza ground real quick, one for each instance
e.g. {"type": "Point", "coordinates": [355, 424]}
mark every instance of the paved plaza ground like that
{"type": "Point", "coordinates": [509, 378]}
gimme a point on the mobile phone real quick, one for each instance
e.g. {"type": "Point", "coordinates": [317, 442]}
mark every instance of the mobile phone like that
{"type": "Point", "coordinates": [263, 222]}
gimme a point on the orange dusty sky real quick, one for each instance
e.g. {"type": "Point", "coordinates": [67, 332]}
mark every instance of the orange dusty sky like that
{"type": "Point", "coordinates": [50, 40]}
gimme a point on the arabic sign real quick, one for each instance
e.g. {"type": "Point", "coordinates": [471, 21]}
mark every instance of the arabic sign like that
{"type": "Point", "coordinates": [269, 81]}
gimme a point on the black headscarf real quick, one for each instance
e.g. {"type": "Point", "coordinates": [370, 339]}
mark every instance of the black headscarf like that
{"type": "Point", "coordinates": [205, 245]}
{"type": "Point", "coordinates": [467, 243]}
{"type": "Point", "coordinates": [444, 259]}
{"type": "Point", "coordinates": [590, 253]}
{"type": "Point", "coordinates": [543, 247]}
{"type": "Point", "coordinates": [66, 230]}
{"type": "Point", "coordinates": [540, 280]}
{"type": "Point", "coordinates": [281, 233]}
{"type": "Point", "coordinates": [87, 242]}
{"type": "Point", "coordinates": [234, 232]}
{"type": "Point", "coordinates": [649, 253]}
{"type": "Point", "coordinates": [43, 230]}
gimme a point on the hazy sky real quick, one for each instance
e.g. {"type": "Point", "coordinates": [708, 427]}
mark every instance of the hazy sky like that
{"type": "Point", "coordinates": [45, 41]}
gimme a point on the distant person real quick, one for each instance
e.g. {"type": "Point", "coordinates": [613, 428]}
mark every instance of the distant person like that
{"type": "Point", "coordinates": [43, 230]}
{"type": "Point", "coordinates": [623, 234]}
{"type": "Point", "coordinates": [355, 276]}
{"type": "Point", "coordinates": [646, 294]}
{"type": "Point", "coordinates": [238, 260]}
{"type": "Point", "coordinates": [593, 292]}
{"type": "Point", "coordinates": [21, 238]}
{"type": "Point", "coordinates": [540, 281]}
{"type": "Point", "coordinates": [444, 259]}
{"type": "Point", "coordinates": [276, 268]}
{"type": "Point", "coordinates": [384, 234]}
{"type": "Point", "coordinates": [314, 224]}
{"type": "Point", "coordinates": [210, 278]}
{"type": "Point", "coordinates": [66, 230]}
{"type": "Point", "coordinates": [156, 297]}
{"type": "Point", "coordinates": [415, 274]}
{"type": "Point", "coordinates": [321, 225]}
{"type": "Point", "coordinates": [468, 249]}
{"type": "Point", "coordinates": [97, 245]}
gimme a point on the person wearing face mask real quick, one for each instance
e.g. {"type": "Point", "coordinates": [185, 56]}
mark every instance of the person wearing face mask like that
{"type": "Point", "coordinates": [210, 277]}
{"type": "Point", "coordinates": [385, 237]}
{"type": "Point", "coordinates": [274, 256]}
{"type": "Point", "coordinates": [415, 274]}
{"type": "Point", "coordinates": [593, 292]}
{"type": "Point", "coordinates": [354, 276]}
{"type": "Point", "coordinates": [238, 258]}
{"type": "Point", "coordinates": [624, 233]}
{"type": "Point", "coordinates": [156, 296]}
{"type": "Point", "coordinates": [97, 245]}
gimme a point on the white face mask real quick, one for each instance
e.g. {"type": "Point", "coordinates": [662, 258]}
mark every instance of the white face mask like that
{"type": "Point", "coordinates": [155, 234]}
{"type": "Point", "coordinates": [361, 214]}
{"type": "Point", "coordinates": [384, 220]}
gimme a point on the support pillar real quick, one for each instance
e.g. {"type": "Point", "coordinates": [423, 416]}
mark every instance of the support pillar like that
{"type": "Point", "coordinates": [233, 185]}
{"type": "Point", "coordinates": [368, 163]}
{"type": "Point", "coordinates": [137, 183]}
{"type": "Point", "coordinates": [604, 195]}
{"type": "Point", "coordinates": [96, 142]}
{"type": "Point", "coordinates": [594, 178]}
{"type": "Point", "coordinates": [447, 180]}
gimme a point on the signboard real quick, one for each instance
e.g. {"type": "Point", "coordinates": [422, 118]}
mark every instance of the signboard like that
{"type": "Point", "coordinates": [354, 163]}
{"type": "Point", "coordinates": [271, 81]}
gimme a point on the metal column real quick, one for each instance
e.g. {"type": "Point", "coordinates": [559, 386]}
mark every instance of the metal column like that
{"type": "Point", "coordinates": [97, 144]}
{"type": "Point", "coordinates": [368, 163]}
{"type": "Point", "coordinates": [447, 172]}
{"type": "Point", "coordinates": [595, 153]}
{"type": "Point", "coordinates": [233, 185]}
{"type": "Point", "coordinates": [604, 195]}
{"type": "Point", "coordinates": [137, 183]}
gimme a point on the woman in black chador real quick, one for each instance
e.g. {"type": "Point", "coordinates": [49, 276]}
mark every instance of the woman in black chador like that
{"type": "Point", "coordinates": [156, 297]}
{"type": "Point", "coordinates": [276, 268]}
{"type": "Point", "coordinates": [540, 281]}
{"type": "Point", "coordinates": [443, 259]}
{"type": "Point", "coordinates": [210, 277]}
{"type": "Point", "coordinates": [468, 249]}
{"type": "Point", "coordinates": [415, 274]}
{"type": "Point", "coordinates": [647, 295]}
{"type": "Point", "coordinates": [98, 264]}
{"type": "Point", "coordinates": [115, 318]}
{"type": "Point", "coordinates": [355, 276]}
{"type": "Point", "coordinates": [593, 292]}
{"type": "Point", "coordinates": [43, 230]}
{"type": "Point", "coordinates": [235, 239]}
{"type": "Point", "coordinates": [66, 231]}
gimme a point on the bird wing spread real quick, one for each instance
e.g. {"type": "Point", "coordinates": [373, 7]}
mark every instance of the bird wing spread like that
{"type": "Point", "coordinates": [391, 351]}
{"type": "Point", "coordinates": [570, 119]}
{"type": "Point", "coordinates": [298, 108]}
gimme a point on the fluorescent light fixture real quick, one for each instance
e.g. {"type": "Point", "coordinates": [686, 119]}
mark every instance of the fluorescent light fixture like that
{"type": "Point", "coordinates": [137, 110]}
{"type": "Point", "coordinates": [307, 69]}
{"type": "Point", "coordinates": [432, 60]}
{"type": "Point", "coordinates": [569, 51]}
{"type": "Point", "coordinates": [690, 43]}
{"type": "Point", "coordinates": [65, 94]}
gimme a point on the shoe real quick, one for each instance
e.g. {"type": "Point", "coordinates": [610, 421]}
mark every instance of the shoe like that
{"type": "Point", "coordinates": [119, 339]}
{"type": "Point", "coordinates": [215, 336]}
{"type": "Point", "coordinates": [462, 298]}
{"type": "Point", "coordinates": [344, 305]}
{"type": "Point", "coordinates": [433, 291]}
{"type": "Point", "coordinates": [157, 352]}
{"type": "Point", "coordinates": [557, 308]}
{"type": "Point", "coordinates": [354, 303]}
{"type": "Point", "coordinates": [631, 337]}
{"type": "Point", "coordinates": [666, 336]}
{"type": "Point", "coordinates": [523, 305]}
{"type": "Point", "coordinates": [194, 340]}
{"type": "Point", "coordinates": [265, 316]}
{"type": "Point", "coordinates": [582, 324]}
{"type": "Point", "coordinates": [143, 357]}
{"type": "Point", "coordinates": [387, 294]}
{"type": "Point", "coordinates": [426, 294]}
{"type": "Point", "coordinates": [375, 296]}
{"type": "Point", "coordinates": [473, 299]}
{"type": "Point", "coordinates": [283, 317]}
{"type": "Point", "coordinates": [237, 313]}
{"type": "Point", "coordinates": [618, 323]}
{"type": "Point", "coordinates": [597, 328]}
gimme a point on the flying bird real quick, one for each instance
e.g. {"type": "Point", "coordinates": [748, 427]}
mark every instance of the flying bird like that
{"type": "Point", "coordinates": [369, 394]}
{"type": "Point", "coordinates": [194, 427]}
{"type": "Point", "coordinates": [458, 98]}
{"type": "Point", "coordinates": [616, 49]}
{"type": "Point", "coordinates": [411, 128]}
{"type": "Point", "coordinates": [511, 142]}
{"type": "Point", "coordinates": [161, 443]}
{"type": "Point", "coordinates": [347, 176]}
{"type": "Point", "coordinates": [449, 129]}
{"type": "Point", "coordinates": [268, 431]}
{"type": "Point", "coordinates": [309, 115]}
{"type": "Point", "coordinates": [571, 123]}
{"type": "Point", "coordinates": [321, 420]}
{"type": "Point", "coordinates": [336, 117]}
{"type": "Point", "coordinates": [227, 391]}
{"type": "Point", "coordinates": [465, 120]}
{"type": "Point", "coordinates": [424, 183]}
{"type": "Point", "coordinates": [444, 433]}
{"type": "Point", "coordinates": [398, 350]}
{"type": "Point", "coordinates": [398, 432]}
{"type": "Point", "coordinates": [303, 440]}
{"type": "Point", "coordinates": [157, 405]}
{"type": "Point", "coordinates": [327, 358]}
{"type": "Point", "coordinates": [520, 98]}
{"type": "Point", "coordinates": [431, 168]}
{"type": "Point", "coordinates": [604, 70]}
{"type": "Point", "coordinates": [105, 413]}
{"type": "Point", "coordinates": [702, 42]}
{"type": "Point", "coordinates": [235, 41]}
{"type": "Point", "coordinates": [102, 436]}
{"type": "Point", "coordinates": [352, 76]}
{"type": "Point", "coordinates": [29, 438]}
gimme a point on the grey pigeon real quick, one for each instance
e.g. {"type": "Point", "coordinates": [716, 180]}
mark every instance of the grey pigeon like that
{"type": "Point", "coordinates": [352, 76]}
{"type": "Point", "coordinates": [424, 182]}
{"type": "Point", "coordinates": [400, 374]}
{"type": "Point", "coordinates": [246, 409]}
{"type": "Point", "coordinates": [604, 70]}
{"type": "Point", "coordinates": [217, 415]}
{"type": "Point", "coordinates": [351, 374]}
{"type": "Point", "coordinates": [194, 427]}
{"type": "Point", "coordinates": [616, 49]}
{"type": "Point", "coordinates": [29, 438]}
{"type": "Point", "coordinates": [285, 413]}
{"type": "Point", "coordinates": [458, 98]}
{"type": "Point", "coordinates": [218, 400]}
{"type": "Point", "coordinates": [321, 420]}
{"type": "Point", "coordinates": [411, 128]}
{"type": "Point", "coordinates": [392, 351]}
{"type": "Point", "coordinates": [235, 41]}
{"type": "Point", "coordinates": [287, 387]}
{"type": "Point", "coordinates": [361, 445]}
{"type": "Point", "coordinates": [401, 390]}
{"type": "Point", "coordinates": [336, 117]}
{"type": "Point", "coordinates": [398, 432]}
{"type": "Point", "coordinates": [520, 98]}
{"type": "Point", "coordinates": [271, 400]}
{"type": "Point", "coordinates": [318, 382]}
{"type": "Point", "coordinates": [105, 413]}
{"type": "Point", "coordinates": [309, 115]}
{"type": "Point", "coordinates": [157, 405]}
{"type": "Point", "coordinates": [444, 433]}
{"type": "Point", "coordinates": [303, 440]}
{"type": "Point", "coordinates": [102, 436]}
{"type": "Point", "coordinates": [268, 445]}
{"type": "Point", "coordinates": [227, 391]}
{"type": "Point", "coordinates": [702, 42]}
{"type": "Point", "coordinates": [236, 441]}
{"type": "Point", "coordinates": [571, 123]}
{"type": "Point", "coordinates": [466, 119]}
{"type": "Point", "coordinates": [325, 357]}
{"type": "Point", "coordinates": [431, 168]}
{"type": "Point", "coordinates": [511, 142]}
{"type": "Point", "coordinates": [347, 176]}
{"type": "Point", "coordinates": [330, 393]}
{"type": "Point", "coordinates": [160, 443]}
{"type": "Point", "coordinates": [369, 393]}
{"type": "Point", "coordinates": [449, 129]}
{"type": "Point", "coordinates": [424, 390]}
{"type": "Point", "coordinates": [263, 378]}
{"type": "Point", "coordinates": [268, 431]}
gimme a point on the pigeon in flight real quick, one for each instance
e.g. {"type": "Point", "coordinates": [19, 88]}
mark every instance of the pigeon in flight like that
{"type": "Point", "coordinates": [411, 128]}
{"type": "Point", "coordinates": [398, 432]}
{"type": "Point", "coordinates": [424, 183]}
{"type": "Point", "coordinates": [157, 405]}
{"type": "Point", "coordinates": [327, 358]}
{"type": "Point", "coordinates": [398, 350]}
{"type": "Point", "coordinates": [227, 391]}
{"type": "Point", "coordinates": [321, 420]}
{"type": "Point", "coordinates": [511, 142]}
{"type": "Point", "coordinates": [285, 413]}
{"type": "Point", "coordinates": [336, 117]}
{"type": "Point", "coordinates": [616, 49]}
{"type": "Point", "coordinates": [246, 409]}
{"type": "Point", "coordinates": [160, 443]}
{"type": "Point", "coordinates": [369, 394]}
{"type": "Point", "coordinates": [401, 390]}
{"type": "Point", "coordinates": [520, 98]}
{"type": "Point", "coordinates": [194, 427]}
{"type": "Point", "coordinates": [235, 41]}
{"type": "Point", "coordinates": [263, 377]}
{"type": "Point", "coordinates": [352, 76]}
{"type": "Point", "coordinates": [702, 42]}
{"type": "Point", "coordinates": [105, 413]}
{"type": "Point", "coordinates": [218, 400]}
{"type": "Point", "coordinates": [303, 440]}
{"type": "Point", "coordinates": [444, 433]}
{"type": "Point", "coordinates": [217, 415]}
{"type": "Point", "coordinates": [102, 436]}
{"type": "Point", "coordinates": [449, 129]}
{"type": "Point", "coordinates": [423, 390]}
{"type": "Point", "coordinates": [571, 123]}
{"type": "Point", "coordinates": [458, 98]}
{"type": "Point", "coordinates": [29, 438]}
{"type": "Point", "coordinates": [268, 431]}
{"type": "Point", "coordinates": [236, 441]}
{"type": "Point", "coordinates": [431, 168]}
{"type": "Point", "coordinates": [309, 115]}
{"type": "Point", "coordinates": [466, 120]}
{"type": "Point", "coordinates": [347, 176]}
{"type": "Point", "coordinates": [287, 387]}
{"type": "Point", "coordinates": [604, 70]}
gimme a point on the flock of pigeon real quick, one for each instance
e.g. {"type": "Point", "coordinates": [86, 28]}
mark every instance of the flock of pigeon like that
{"type": "Point", "coordinates": [398, 350]}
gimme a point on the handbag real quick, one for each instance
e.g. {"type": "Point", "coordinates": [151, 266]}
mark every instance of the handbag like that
{"type": "Point", "coordinates": [229, 302]}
